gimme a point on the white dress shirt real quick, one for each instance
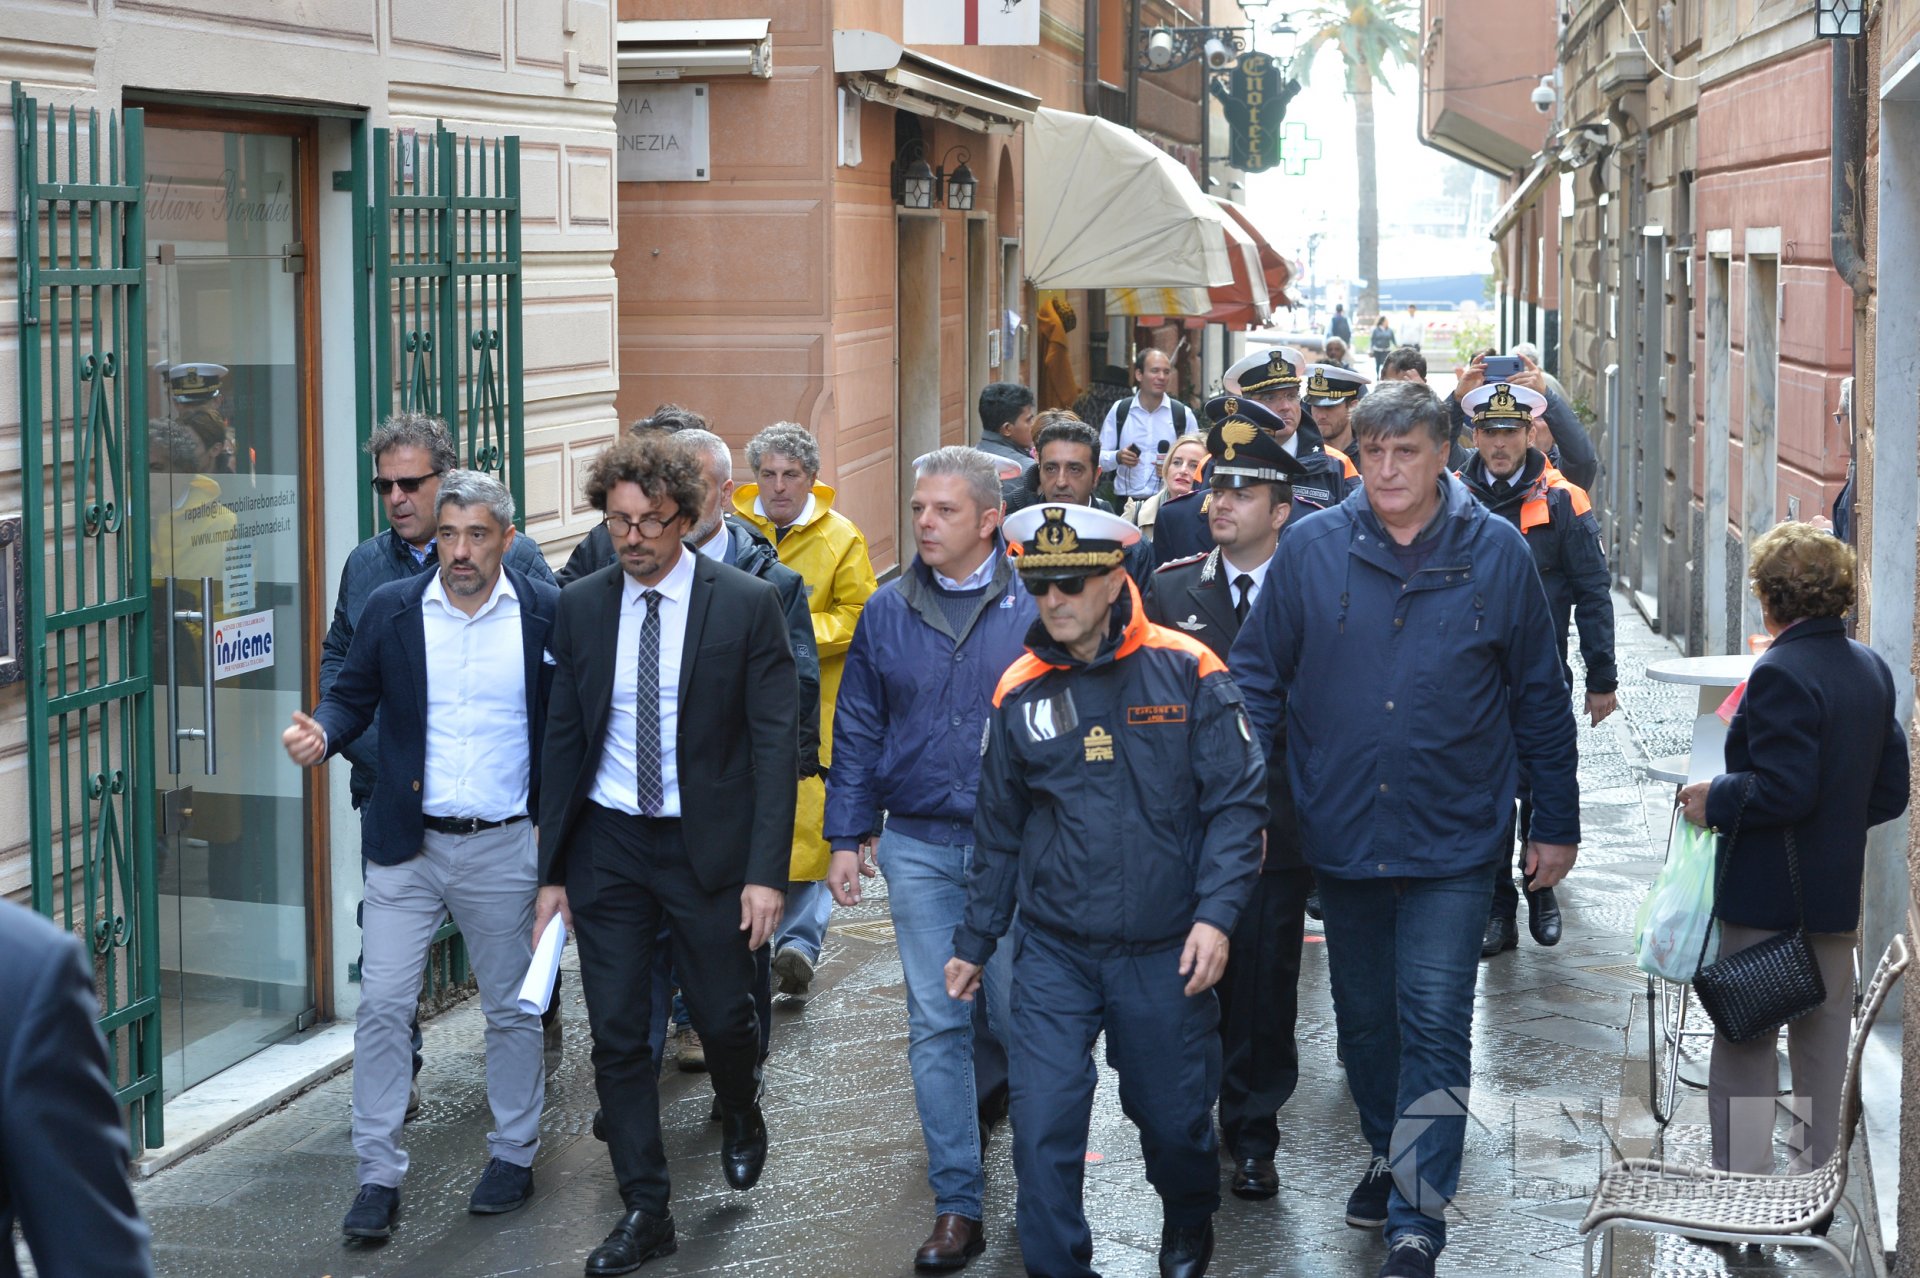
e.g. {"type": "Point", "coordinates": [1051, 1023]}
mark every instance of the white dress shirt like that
{"type": "Point", "coordinates": [614, 785]}
{"type": "Point", "coordinates": [1258, 573]}
{"type": "Point", "coordinates": [716, 546]}
{"type": "Point", "coordinates": [477, 762]}
{"type": "Point", "coordinates": [1143, 430]}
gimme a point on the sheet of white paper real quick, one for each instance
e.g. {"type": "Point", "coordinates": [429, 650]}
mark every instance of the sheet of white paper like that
{"type": "Point", "coordinates": [537, 990]}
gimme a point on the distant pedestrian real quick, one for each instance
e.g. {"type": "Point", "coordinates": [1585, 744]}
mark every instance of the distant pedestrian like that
{"type": "Point", "coordinates": [446, 830]}
{"type": "Point", "coordinates": [1125, 937]}
{"type": "Point", "coordinates": [1340, 327]}
{"type": "Point", "coordinates": [1412, 694]}
{"type": "Point", "coordinates": [914, 701]}
{"type": "Point", "coordinates": [63, 1140]}
{"type": "Point", "coordinates": [1006, 427]}
{"type": "Point", "coordinates": [1814, 749]}
{"type": "Point", "coordinates": [794, 511]}
{"type": "Point", "coordinates": [1413, 330]}
{"type": "Point", "coordinates": [1139, 429]}
{"type": "Point", "coordinates": [1337, 352]}
{"type": "Point", "coordinates": [672, 748]}
{"type": "Point", "coordinates": [1381, 342]}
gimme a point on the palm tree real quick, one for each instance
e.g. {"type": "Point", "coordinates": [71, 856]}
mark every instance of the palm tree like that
{"type": "Point", "coordinates": [1371, 35]}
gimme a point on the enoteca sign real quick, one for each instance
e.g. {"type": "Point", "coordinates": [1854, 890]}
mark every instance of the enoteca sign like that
{"type": "Point", "coordinates": [663, 133]}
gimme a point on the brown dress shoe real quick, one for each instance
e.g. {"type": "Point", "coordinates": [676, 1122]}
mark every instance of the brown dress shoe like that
{"type": "Point", "coordinates": [954, 1241]}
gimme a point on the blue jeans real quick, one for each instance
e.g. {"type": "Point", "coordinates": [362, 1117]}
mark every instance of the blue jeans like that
{"type": "Point", "coordinates": [1403, 956]}
{"type": "Point", "coordinates": [804, 925]}
{"type": "Point", "coordinates": [927, 894]}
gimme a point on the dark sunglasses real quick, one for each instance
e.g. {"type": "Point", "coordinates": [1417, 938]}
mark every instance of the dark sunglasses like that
{"type": "Point", "coordinates": [1065, 585]}
{"type": "Point", "coordinates": [409, 484]}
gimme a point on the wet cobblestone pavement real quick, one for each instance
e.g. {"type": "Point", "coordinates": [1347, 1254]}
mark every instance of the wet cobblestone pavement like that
{"type": "Point", "coordinates": [1559, 1086]}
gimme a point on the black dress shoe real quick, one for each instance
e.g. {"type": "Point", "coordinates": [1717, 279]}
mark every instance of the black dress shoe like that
{"type": "Point", "coordinates": [1543, 916]}
{"type": "Point", "coordinates": [1255, 1178]}
{"type": "Point", "coordinates": [1501, 935]}
{"type": "Point", "coordinates": [372, 1213]}
{"type": "Point", "coordinates": [637, 1239]}
{"type": "Point", "coordinates": [1314, 911]}
{"type": "Point", "coordinates": [1184, 1253]}
{"type": "Point", "coordinates": [600, 1125]}
{"type": "Point", "coordinates": [743, 1146]}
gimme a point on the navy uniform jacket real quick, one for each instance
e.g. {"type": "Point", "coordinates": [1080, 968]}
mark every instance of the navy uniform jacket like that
{"type": "Point", "coordinates": [63, 1143]}
{"type": "Point", "coordinates": [1557, 520]}
{"type": "Point", "coordinates": [1816, 736]}
{"type": "Point", "coordinates": [1149, 737]}
{"type": "Point", "coordinates": [386, 671]}
{"type": "Point", "coordinates": [1180, 529]}
{"type": "Point", "coordinates": [1195, 597]}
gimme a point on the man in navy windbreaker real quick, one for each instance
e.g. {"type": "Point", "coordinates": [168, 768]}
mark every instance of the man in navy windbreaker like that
{"type": "Point", "coordinates": [914, 698]}
{"type": "Point", "coordinates": [1404, 638]}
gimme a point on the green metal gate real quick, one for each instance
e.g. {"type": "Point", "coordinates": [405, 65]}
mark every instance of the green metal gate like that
{"type": "Point", "coordinates": [83, 447]}
{"type": "Point", "coordinates": [439, 269]}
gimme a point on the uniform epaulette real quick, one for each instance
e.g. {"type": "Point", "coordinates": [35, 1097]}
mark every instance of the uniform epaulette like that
{"type": "Point", "coordinates": [1182, 563]}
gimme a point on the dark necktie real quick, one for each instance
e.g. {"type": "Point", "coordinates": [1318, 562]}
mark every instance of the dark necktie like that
{"type": "Point", "coordinates": [1501, 488]}
{"type": "Point", "coordinates": [648, 784]}
{"type": "Point", "coordinates": [1244, 584]}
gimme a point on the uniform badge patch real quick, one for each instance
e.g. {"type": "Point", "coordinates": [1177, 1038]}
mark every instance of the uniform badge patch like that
{"type": "Point", "coordinates": [1099, 744]}
{"type": "Point", "coordinates": [1137, 715]}
{"type": "Point", "coordinates": [1246, 729]}
{"type": "Point", "coordinates": [1192, 622]}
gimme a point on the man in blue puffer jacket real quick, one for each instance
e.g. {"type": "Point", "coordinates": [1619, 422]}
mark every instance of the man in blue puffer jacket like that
{"type": "Point", "coordinates": [914, 699]}
{"type": "Point", "coordinates": [1414, 592]}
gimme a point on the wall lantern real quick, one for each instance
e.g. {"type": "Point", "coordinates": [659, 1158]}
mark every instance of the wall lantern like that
{"type": "Point", "coordinates": [1838, 19]}
{"type": "Point", "coordinates": [960, 183]}
{"type": "Point", "coordinates": [915, 186]}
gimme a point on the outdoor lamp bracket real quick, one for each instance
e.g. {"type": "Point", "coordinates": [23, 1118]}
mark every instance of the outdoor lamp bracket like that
{"type": "Point", "coordinates": [1169, 48]}
{"type": "Point", "coordinates": [1838, 19]}
{"type": "Point", "coordinates": [917, 185]}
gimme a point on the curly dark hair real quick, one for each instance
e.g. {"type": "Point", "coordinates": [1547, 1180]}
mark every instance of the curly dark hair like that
{"type": "Point", "coordinates": [1800, 571]}
{"type": "Point", "coordinates": [663, 468]}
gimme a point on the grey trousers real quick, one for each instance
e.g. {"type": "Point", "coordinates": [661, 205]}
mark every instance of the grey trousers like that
{"type": "Point", "coordinates": [486, 881]}
{"type": "Point", "coordinates": [1743, 1080]}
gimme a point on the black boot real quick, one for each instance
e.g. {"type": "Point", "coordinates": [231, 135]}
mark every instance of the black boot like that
{"type": "Point", "coordinates": [1543, 916]}
{"type": "Point", "coordinates": [1502, 934]}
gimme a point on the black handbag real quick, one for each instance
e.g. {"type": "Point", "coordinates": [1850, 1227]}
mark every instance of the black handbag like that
{"type": "Point", "coordinates": [1752, 993]}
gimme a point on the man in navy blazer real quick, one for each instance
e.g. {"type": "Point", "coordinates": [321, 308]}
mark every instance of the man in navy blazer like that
{"type": "Point", "coordinates": [446, 829]}
{"type": "Point", "coordinates": [63, 1145]}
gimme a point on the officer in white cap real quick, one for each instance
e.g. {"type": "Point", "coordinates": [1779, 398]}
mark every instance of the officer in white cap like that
{"type": "Point", "coordinates": [1519, 484]}
{"type": "Point", "coordinates": [1122, 936]}
{"type": "Point", "coordinates": [1330, 390]}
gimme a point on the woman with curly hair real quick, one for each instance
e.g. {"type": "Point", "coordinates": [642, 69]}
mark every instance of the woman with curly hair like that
{"type": "Point", "coordinates": [1814, 750]}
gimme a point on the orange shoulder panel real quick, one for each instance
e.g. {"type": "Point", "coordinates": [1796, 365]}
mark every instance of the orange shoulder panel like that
{"type": "Point", "coordinates": [1347, 469]}
{"type": "Point", "coordinates": [1533, 514]}
{"type": "Point", "coordinates": [1153, 636]}
{"type": "Point", "coordinates": [1581, 502]}
{"type": "Point", "coordinates": [1024, 670]}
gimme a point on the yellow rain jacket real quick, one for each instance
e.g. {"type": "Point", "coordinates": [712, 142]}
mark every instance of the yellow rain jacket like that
{"type": "Point", "coordinates": [830, 554]}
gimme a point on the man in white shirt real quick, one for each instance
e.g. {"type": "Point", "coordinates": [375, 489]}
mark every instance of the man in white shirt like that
{"type": "Point", "coordinates": [446, 829]}
{"type": "Point", "coordinates": [1142, 427]}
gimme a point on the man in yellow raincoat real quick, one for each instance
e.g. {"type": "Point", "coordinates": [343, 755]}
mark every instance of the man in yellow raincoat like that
{"type": "Point", "coordinates": [795, 512]}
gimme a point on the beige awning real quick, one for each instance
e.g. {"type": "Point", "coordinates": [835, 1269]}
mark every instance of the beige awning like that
{"type": "Point", "coordinates": [1105, 208]}
{"type": "Point", "coordinates": [1242, 303]}
{"type": "Point", "coordinates": [1523, 197]}
{"type": "Point", "coordinates": [879, 69]}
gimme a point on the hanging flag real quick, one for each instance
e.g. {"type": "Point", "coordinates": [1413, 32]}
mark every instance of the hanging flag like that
{"type": "Point", "coordinates": [972, 22]}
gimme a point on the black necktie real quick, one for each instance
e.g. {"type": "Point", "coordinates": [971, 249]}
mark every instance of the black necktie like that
{"type": "Point", "coordinates": [1244, 584]}
{"type": "Point", "coordinates": [1501, 488]}
{"type": "Point", "coordinates": [648, 785]}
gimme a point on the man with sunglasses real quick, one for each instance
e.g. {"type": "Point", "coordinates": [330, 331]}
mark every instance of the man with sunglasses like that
{"type": "Point", "coordinates": [410, 451]}
{"type": "Point", "coordinates": [1126, 937]}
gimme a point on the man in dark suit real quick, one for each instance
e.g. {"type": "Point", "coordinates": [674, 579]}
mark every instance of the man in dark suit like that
{"type": "Point", "coordinates": [63, 1144]}
{"type": "Point", "coordinates": [634, 837]}
{"type": "Point", "coordinates": [446, 829]}
{"type": "Point", "coordinates": [1208, 597]}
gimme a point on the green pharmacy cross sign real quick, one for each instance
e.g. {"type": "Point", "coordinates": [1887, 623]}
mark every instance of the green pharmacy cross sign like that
{"type": "Point", "coordinates": [1254, 98]}
{"type": "Point", "coordinates": [1299, 148]}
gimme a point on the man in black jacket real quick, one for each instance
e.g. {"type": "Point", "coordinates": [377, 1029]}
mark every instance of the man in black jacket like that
{"type": "Point", "coordinates": [63, 1142]}
{"type": "Point", "coordinates": [1126, 937]}
{"type": "Point", "coordinates": [1207, 597]}
{"type": "Point", "coordinates": [1516, 483]}
{"type": "Point", "coordinates": [1068, 470]}
{"type": "Point", "coordinates": [673, 743]}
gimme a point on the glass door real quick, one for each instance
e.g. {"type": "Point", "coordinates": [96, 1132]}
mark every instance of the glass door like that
{"type": "Point", "coordinates": [227, 370]}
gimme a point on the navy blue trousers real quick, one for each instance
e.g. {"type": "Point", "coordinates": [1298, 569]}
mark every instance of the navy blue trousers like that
{"type": "Point", "coordinates": [1164, 1046]}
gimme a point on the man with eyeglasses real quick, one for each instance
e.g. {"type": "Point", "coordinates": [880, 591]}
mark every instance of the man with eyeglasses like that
{"type": "Point", "coordinates": [672, 739]}
{"type": "Point", "coordinates": [1124, 936]}
{"type": "Point", "coordinates": [410, 451]}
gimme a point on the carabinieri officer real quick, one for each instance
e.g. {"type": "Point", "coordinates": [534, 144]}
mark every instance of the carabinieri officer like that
{"type": "Point", "coordinates": [1109, 723]}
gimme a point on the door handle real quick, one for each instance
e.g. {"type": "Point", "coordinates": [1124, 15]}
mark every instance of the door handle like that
{"type": "Point", "coordinates": [175, 733]}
